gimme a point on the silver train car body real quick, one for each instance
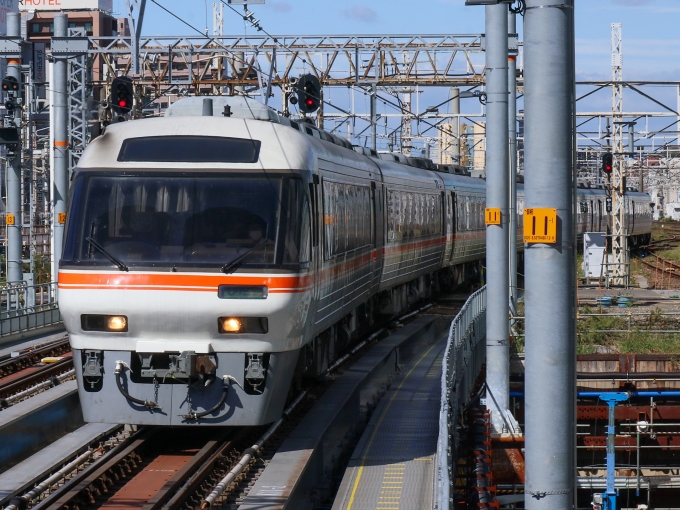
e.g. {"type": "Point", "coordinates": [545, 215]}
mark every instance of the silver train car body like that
{"type": "Point", "coordinates": [209, 259]}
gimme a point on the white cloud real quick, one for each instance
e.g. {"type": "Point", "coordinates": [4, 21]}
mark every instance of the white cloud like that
{"type": "Point", "coordinates": [632, 2]}
{"type": "Point", "coordinates": [280, 6]}
{"type": "Point", "coordinates": [364, 14]}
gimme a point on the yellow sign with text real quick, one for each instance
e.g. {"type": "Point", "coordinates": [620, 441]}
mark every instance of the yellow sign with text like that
{"type": "Point", "coordinates": [540, 225]}
{"type": "Point", "coordinates": [9, 219]}
{"type": "Point", "coordinates": [61, 218]}
{"type": "Point", "coordinates": [492, 215]}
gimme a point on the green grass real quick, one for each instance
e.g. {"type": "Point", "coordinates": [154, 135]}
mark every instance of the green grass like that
{"type": "Point", "coordinates": [641, 340]}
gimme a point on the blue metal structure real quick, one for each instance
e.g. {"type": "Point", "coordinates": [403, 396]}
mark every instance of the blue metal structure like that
{"type": "Point", "coordinates": [609, 496]}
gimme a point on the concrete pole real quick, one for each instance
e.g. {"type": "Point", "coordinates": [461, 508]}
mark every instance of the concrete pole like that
{"type": "Point", "coordinates": [512, 128]}
{"type": "Point", "coordinates": [239, 66]}
{"type": "Point", "coordinates": [497, 195]}
{"type": "Point", "coordinates": [14, 237]}
{"type": "Point", "coordinates": [454, 94]}
{"type": "Point", "coordinates": [374, 118]}
{"type": "Point", "coordinates": [549, 284]}
{"type": "Point", "coordinates": [59, 124]}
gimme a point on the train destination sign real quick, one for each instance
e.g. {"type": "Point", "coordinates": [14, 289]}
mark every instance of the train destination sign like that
{"type": "Point", "coordinates": [57, 5]}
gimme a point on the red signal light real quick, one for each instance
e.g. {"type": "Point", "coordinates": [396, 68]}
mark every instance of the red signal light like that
{"type": "Point", "coordinates": [608, 168]}
{"type": "Point", "coordinates": [309, 102]}
{"type": "Point", "coordinates": [122, 103]}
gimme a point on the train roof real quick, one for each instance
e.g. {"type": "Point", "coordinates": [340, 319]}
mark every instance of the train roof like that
{"type": "Point", "coordinates": [281, 148]}
{"type": "Point", "coordinates": [286, 145]}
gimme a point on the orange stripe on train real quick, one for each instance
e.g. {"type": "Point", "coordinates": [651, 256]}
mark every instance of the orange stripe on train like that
{"type": "Point", "coordinates": [200, 283]}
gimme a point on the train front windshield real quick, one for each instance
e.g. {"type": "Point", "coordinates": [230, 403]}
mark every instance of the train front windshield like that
{"type": "Point", "coordinates": [175, 222]}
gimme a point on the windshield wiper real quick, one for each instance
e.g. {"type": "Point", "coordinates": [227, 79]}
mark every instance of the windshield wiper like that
{"type": "Point", "coordinates": [232, 265]}
{"type": "Point", "coordinates": [106, 253]}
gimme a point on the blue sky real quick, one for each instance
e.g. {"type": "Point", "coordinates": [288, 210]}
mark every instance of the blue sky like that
{"type": "Point", "coordinates": [650, 27]}
{"type": "Point", "coordinates": [650, 32]}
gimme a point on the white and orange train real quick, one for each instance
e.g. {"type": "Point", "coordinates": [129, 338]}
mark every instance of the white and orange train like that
{"type": "Point", "coordinates": [210, 259]}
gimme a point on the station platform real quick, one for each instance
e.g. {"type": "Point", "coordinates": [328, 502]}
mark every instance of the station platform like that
{"type": "Point", "coordinates": [394, 464]}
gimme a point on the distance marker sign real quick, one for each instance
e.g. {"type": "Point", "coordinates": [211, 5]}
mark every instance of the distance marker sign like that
{"type": "Point", "coordinates": [540, 225]}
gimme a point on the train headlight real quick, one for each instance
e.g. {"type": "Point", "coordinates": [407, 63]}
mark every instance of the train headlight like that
{"type": "Point", "coordinates": [231, 325]}
{"type": "Point", "coordinates": [117, 323]}
{"type": "Point", "coordinates": [110, 323]}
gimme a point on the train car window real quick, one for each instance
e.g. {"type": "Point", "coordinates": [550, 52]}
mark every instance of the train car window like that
{"type": "Point", "coordinates": [297, 244]}
{"type": "Point", "coordinates": [294, 125]}
{"type": "Point", "coordinates": [309, 131]}
{"type": "Point", "coordinates": [168, 221]}
{"type": "Point", "coordinates": [347, 217]}
{"type": "Point", "coordinates": [413, 215]}
{"type": "Point", "coordinates": [189, 149]}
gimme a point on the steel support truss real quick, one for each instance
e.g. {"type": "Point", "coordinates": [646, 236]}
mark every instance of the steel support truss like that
{"type": "Point", "coordinates": [204, 62]}
{"type": "Point", "coordinates": [618, 183]}
{"type": "Point", "coordinates": [79, 73]}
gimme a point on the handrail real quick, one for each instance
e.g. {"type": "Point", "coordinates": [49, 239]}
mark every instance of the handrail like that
{"type": "Point", "coordinates": [20, 298]}
{"type": "Point", "coordinates": [463, 359]}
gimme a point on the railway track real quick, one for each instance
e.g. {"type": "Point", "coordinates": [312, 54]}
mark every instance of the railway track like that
{"type": "Point", "coordinates": [200, 468]}
{"type": "Point", "coordinates": [27, 374]}
{"type": "Point", "coordinates": [10, 364]}
{"type": "Point", "coordinates": [665, 271]}
{"type": "Point", "coordinates": [159, 468]}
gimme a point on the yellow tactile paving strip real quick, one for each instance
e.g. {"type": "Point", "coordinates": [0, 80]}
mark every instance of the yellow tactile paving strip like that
{"type": "Point", "coordinates": [393, 465]}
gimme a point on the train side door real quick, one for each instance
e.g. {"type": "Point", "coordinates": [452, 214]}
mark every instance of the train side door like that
{"type": "Point", "coordinates": [377, 223]}
{"type": "Point", "coordinates": [316, 212]}
{"type": "Point", "coordinates": [632, 219]}
{"type": "Point", "coordinates": [454, 223]}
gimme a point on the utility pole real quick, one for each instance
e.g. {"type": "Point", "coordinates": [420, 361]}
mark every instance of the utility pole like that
{"type": "Point", "coordinates": [14, 218]}
{"type": "Point", "coordinates": [550, 384]}
{"type": "Point", "coordinates": [59, 124]}
{"type": "Point", "coordinates": [136, 29]}
{"type": "Point", "coordinates": [497, 237]}
{"type": "Point", "coordinates": [374, 117]}
{"type": "Point", "coordinates": [454, 94]}
{"type": "Point", "coordinates": [619, 242]}
{"type": "Point", "coordinates": [512, 128]}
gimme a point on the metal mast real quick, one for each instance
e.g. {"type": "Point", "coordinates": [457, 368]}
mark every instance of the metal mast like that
{"type": "Point", "coordinates": [135, 29]}
{"type": "Point", "coordinates": [14, 218]}
{"type": "Point", "coordinates": [218, 19]}
{"type": "Point", "coordinates": [549, 264]}
{"type": "Point", "coordinates": [619, 245]}
{"type": "Point", "coordinates": [59, 122]}
{"type": "Point", "coordinates": [497, 238]}
{"type": "Point", "coordinates": [406, 131]}
{"type": "Point", "coordinates": [512, 127]}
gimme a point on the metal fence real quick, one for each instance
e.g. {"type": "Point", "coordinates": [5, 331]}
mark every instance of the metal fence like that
{"type": "Point", "coordinates": [463, 359]}
{"type": "Point", "coordinates": [24, 307]}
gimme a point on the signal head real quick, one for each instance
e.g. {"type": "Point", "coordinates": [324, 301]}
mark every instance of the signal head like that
{"type": "Point", "coordinates": [122, 92]}
{"type": "Point", "coordinates": [10, 84]}
{"type": "Point", "coordinates": [607, 162]}
{"type": "Point", "coordinates": [308, 89]}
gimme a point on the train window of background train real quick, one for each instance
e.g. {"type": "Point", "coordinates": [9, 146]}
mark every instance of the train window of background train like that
{"type": "Point", "coordinates": [165, 220]}
{"type": "Point", "coordinates": [347, 217]}
{"type": "Point", "coordinates": [190, 149]}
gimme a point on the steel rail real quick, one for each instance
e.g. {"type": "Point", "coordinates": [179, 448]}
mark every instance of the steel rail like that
{"type": "Point", "coordinates": [47, 373]}
{"type": "Point", "coordinates": [90, 476]}
{"type": "Point", "coordinates": [10, 365]}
